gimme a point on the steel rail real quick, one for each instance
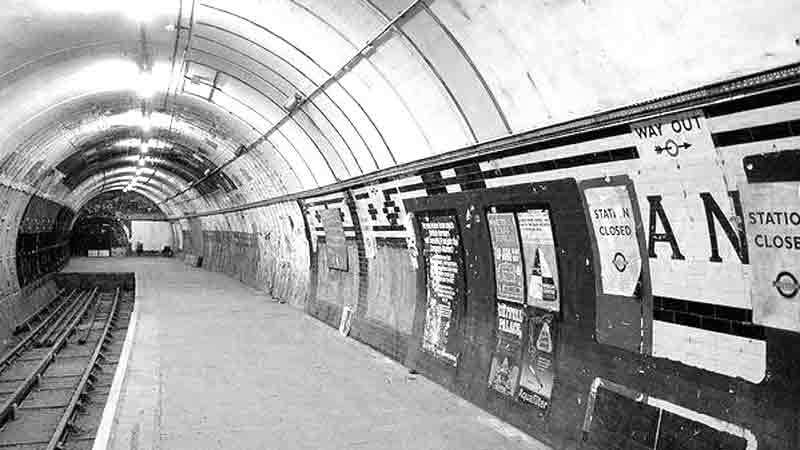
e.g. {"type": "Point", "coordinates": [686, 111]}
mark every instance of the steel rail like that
{"type": "Point", "coordinates": [9, 407]}
{"type": "Point", "coordinates": [46, 338]}
{"type": "Point", "coordinates": [90, 321]}
{"type": "Point", "coordinates": [6, 359]}
{"type": "Point", "coordinates": [25, 325]}
{"type": "Point", "coordinates": [79, 315]}
{"type": "Point", "coordinates": [86, 379]}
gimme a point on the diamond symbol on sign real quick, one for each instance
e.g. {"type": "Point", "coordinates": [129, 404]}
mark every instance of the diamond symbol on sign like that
{"type": "Point", "coordinates": [620, 262]}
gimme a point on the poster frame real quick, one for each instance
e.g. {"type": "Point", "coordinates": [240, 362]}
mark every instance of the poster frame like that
{"type": "Point", "coordinates": [460, 308]}
{"type": "Point", "coordinates": [516, 208]}
{"type": "Point", "coordinates": [645, 292]}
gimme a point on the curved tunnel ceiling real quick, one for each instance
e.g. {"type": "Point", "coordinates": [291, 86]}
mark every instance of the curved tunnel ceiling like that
{"type": "Point", "coordinates": [273, 97]}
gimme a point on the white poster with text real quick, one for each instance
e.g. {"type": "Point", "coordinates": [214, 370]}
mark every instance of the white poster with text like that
{"type": "Point", "coordinates": [611, 213]}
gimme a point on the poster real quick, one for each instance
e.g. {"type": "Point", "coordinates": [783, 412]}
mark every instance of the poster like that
{"type": "Point", "coordinates": [538, 365]}
{"type": "Point", "coordinates": [772, 221]}
{"type": "Point", "coordinates": [445, 291]}
{"type": "Point", "coordinates": [505, 369]}
{"type": "Point", "coordinates": [541, 264]}
{"type": "Point", "coordinates": [611, 214]}
{"type": "Point", "coordinates": [335, 243]}
{"type": "Point", "coordinates": [507, 257]}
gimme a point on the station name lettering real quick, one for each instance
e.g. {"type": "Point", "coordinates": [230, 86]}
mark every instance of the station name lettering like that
{"type": "Point", "coordinates": [714, 218]}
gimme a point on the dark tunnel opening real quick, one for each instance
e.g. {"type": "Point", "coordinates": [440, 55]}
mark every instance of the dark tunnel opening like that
{"type": "Point", "coordinates": [100, 234]}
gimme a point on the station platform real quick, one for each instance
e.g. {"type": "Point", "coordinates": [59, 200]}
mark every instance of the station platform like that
{"type": "Point", "coordinates": [214, 364]}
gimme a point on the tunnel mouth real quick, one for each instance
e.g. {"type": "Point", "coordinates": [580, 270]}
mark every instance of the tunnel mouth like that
{"type": "Point", "coordinates": [107, 225]}
{"type": "Point", "coordinates": [99, 236]}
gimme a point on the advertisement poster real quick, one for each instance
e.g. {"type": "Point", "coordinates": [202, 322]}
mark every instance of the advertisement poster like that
{"type": "Point", "coordinates": [505, 370]}
{"type": "Point", "coordinates": [538, 365]}
{"type": "Point", "coordinates": [614, 226]}
{"type": "Point", "coordinates": [772, 221]}
{"type": "Point", "coordinates": [445, 291]}
{"type": "Point", "coordinates": [335, 243]}
{"type": "Point", "coordinates": [541, 264]}
{"type": "Point", "coordinates": [507, 257]}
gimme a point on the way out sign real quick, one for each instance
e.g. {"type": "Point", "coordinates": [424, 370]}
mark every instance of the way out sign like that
{"type": "Point", "coordinates": [673, 137]}
{"type": "Point", "coordinates": [772, 220]}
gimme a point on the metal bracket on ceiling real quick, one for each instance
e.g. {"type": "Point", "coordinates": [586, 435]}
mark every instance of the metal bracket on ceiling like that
{"type": "Point", "coordinates": [297, 103]}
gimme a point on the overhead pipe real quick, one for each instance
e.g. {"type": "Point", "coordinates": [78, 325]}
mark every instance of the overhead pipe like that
{"type": "Point", "coordinates": [301, 101]}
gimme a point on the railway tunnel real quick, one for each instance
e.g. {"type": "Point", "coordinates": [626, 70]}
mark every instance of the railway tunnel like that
{"type": "Point", "coordinates": [444, 224]}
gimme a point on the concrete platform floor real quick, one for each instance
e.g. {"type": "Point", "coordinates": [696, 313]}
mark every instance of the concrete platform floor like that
{"type": "Point", "coordinates": [218, 365]}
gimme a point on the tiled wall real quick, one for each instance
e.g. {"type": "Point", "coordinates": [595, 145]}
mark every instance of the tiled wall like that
{"type": "Point", "coordinates": [706, 351]}
{"type": "Point", "coordinates": [699, 351]}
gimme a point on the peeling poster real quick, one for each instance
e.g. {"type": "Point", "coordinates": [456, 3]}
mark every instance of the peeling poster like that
{"type": "Point", "coordinates": [614, 227]}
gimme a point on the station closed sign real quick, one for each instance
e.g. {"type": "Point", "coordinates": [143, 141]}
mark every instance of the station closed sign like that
{"type": "Point", "coordinates": [611, 215]}
{"type": "Point", "coordinates": [772, 221]}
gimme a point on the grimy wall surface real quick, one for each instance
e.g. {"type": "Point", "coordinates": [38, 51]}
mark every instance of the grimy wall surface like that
{"type": "Point", "coordinates": [622, 286]}
{"type": "Point", "coordinates": [35, 242]}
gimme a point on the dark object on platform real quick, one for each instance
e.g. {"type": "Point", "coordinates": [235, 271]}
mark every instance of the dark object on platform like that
{"type": "Point", "coordinates": [167, 251]}
{"type": "Point", "coordinates": [193, 260]}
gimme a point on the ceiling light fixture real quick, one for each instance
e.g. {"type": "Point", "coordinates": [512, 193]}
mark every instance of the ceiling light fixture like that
{"type": "Point", "coordinates": [146, 86]}
{"type": "Point", "coordinates": [146, 124]}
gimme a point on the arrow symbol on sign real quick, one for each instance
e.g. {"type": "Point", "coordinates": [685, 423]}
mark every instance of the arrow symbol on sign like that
{"type": "Point", "coordinates": [671, 147]}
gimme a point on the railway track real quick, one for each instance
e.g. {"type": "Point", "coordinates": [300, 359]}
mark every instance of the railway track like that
{"type": "Point", "coordinates": [55, 380]}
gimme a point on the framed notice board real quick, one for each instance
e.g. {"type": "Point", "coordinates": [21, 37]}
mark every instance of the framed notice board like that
{"type": "Point", "coordinates": [624, 302]}
{"type": "Point", "coordinates": [528, 295]}
{"type": "Point", "coordinates": [443, 257]}
{"type": "Point", "coordinates": [524, 271]}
